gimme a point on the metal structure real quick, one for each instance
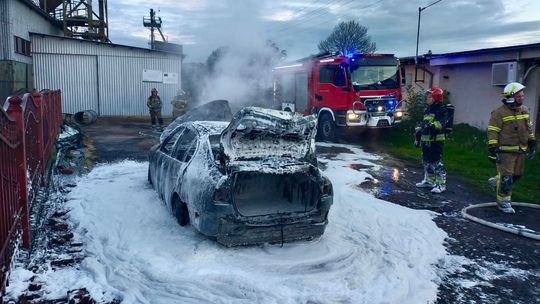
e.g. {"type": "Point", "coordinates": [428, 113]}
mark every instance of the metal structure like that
{"type": "Point", "coordinates": [154, 23]}
{"type": "Point", "coordinates": [29, 127]}
{"type": "Point", "coordinates": [81, 18]}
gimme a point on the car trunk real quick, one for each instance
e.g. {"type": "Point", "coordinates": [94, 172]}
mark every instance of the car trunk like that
{"type": "Point", "coordinates": [256, 193]}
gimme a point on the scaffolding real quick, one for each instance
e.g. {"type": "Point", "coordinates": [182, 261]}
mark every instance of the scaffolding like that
{"type": "Point", "coordinates": [80, 18]}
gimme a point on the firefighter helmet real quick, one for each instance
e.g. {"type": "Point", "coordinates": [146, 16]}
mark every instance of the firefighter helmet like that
{"type": "Point", "coordinates": [510, 90]}
{"type": "Point", "coordinates": [437, 94]}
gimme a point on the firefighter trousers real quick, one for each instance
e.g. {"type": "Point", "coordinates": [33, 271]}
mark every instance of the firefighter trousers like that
{"type": "Point", "coordinates": [432, 160]}
{"type": "Point", "coordinates": [155, 116]}
{"type": "Point", "coordinates": [509, 169]}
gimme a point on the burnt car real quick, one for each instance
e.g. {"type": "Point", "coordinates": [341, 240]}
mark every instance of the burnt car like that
{"type": "Point", "coordinates": [253, 180]}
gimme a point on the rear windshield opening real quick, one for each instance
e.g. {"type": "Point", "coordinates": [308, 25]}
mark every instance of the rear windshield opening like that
{"type": "Point", "coordinates": [257, 193]}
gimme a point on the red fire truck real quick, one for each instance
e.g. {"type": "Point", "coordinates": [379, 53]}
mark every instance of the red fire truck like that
{"type": "Point", "coordinates": [347, 92]}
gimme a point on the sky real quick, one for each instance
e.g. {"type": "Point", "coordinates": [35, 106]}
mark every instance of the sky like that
{"type": "Point", "coordinates": [299, 25]}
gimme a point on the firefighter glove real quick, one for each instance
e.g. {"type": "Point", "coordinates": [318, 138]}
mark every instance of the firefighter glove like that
{"type": "Point", "coordinates": [493, 156]}
{"type": "Point", "coordinates": [417, 143]}
{"type": "Point", "coordinates": [531, 149]}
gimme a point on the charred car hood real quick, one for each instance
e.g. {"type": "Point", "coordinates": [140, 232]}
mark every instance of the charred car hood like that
{"type": "Point", "coordinates": [256, 133]}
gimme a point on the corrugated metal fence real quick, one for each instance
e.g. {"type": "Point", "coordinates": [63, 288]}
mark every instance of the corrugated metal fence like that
{"type": "Point", "coordinates": [29, 125]}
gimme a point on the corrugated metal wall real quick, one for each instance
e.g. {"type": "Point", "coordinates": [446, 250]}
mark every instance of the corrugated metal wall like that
{"type": "Point", "coordinates": [105, 78]}
{"type": "Point", "coordinates": [75, 75]}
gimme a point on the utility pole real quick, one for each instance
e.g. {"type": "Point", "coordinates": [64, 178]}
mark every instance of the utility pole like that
{"type": "Point", "coordinates": [420, 9]}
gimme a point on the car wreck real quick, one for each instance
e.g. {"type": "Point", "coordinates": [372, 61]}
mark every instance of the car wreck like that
{"type": "Point", "coordinates": [251, 181]}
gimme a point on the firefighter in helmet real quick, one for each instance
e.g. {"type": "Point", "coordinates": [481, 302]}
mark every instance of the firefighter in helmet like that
{"type": "Point", "coordinates": [179, 103]}
{"type": "Point", "coordinates": [510, 137]}
{"type": "Point", "coordinates": [154, 105]}
{"type": "Point", "coordinates": [431, 134]}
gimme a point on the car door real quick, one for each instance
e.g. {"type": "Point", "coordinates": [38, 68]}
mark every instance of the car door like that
{"type": "Point", "coordinates": [184, 150]}
{"type": "Point", "coordinates": [165, 161]}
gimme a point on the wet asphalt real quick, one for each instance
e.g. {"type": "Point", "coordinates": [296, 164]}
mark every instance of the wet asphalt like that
{"type": "Point", "coordinates": [498, 267]}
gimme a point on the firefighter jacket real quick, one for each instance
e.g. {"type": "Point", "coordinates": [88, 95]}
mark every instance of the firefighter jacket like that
{"type": "Point", "coordinates": [179, 102]}
{"type": "Point", "coordinates": [510, 128]}
{"type": "Point", "coordinates": [434, 123]}
{"type": "Point", "coordinates": [153, 102]}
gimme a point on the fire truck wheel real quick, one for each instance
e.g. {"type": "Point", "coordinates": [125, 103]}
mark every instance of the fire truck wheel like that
{"type": "Point", "coordinates": [327, 128]}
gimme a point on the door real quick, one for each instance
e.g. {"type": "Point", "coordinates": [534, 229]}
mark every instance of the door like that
{"type": "Point", "coordinates": [75, 75]}
{"type": "Point", "coordinates": [329, 91]}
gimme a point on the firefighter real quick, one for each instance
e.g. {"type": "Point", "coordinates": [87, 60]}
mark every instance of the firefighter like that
{"type": "Point", "coordinates": [179, 103]}
{"type": "Point", "coordinates": [431, 134]}
{"type": "Point", "coordinates": [154, 105]}
{"type": "Point", "coordinates": [510, 137]}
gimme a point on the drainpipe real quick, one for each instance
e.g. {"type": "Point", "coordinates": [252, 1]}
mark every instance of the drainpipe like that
{"type": "Point", "coordinates": [529, 70]}
{"type": "Point", "coordinates": [5, 40]}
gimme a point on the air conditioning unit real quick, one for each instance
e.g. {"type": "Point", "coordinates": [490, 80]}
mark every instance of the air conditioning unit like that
{"type": "Point", "coordinates": [504, 72]}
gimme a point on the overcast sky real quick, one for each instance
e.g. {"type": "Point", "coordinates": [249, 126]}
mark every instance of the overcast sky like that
{"type": "Point", "coordinates": [298, 25]}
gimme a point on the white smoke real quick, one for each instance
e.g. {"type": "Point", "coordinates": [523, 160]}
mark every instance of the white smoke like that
{"type": "Point", "coordinates": [243, 74]}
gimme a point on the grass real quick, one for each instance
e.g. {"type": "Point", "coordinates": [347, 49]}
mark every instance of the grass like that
{"type": "Point", "coordinates": [465, 156]}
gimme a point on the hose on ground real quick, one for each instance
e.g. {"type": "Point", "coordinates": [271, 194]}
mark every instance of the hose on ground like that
{"type": "Point", "coordinates": [512, 229]}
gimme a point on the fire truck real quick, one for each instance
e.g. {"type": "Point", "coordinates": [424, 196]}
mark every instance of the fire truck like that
{"type": "Point", "coordinates": [347, 92]}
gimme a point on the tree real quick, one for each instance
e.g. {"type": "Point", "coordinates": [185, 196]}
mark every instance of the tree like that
{"type": "Point", "coordinates": [215, 57]}
{"type": "Point", "coordinates": [348, 37]}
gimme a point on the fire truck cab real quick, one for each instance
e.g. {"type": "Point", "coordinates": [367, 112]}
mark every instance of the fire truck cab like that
{"type": "Point", "coordinates": [346, 92]}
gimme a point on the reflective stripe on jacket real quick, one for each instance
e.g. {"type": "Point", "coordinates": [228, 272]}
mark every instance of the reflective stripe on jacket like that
{"type": "Point", "coordinates": [509, 128]}
{"type": "Point", "coordinates": [434, 116]}
{"type": "Point", "coordinates": [154, 102]}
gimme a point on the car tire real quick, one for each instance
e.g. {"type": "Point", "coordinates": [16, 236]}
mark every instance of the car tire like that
{"type": "Point", "coordinates": [326, 130]}
{"type": "Point", "coordinates": [180, 212]}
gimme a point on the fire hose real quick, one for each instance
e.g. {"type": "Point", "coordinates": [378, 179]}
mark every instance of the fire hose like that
{"type": "Point", "coordinates": [515, 229]}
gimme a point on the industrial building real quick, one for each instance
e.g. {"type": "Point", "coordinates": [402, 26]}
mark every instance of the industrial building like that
{"type": "Point", "coordinates": [54, 44]}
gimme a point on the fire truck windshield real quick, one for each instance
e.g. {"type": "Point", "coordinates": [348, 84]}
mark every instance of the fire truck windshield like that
{"type": "Point", "coordinates": [374, 77]}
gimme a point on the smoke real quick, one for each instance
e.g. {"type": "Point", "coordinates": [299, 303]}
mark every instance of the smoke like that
{"type": "Point", "coordinates": [242, 73]}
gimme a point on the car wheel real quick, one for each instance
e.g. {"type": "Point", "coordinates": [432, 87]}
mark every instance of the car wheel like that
{"type": "Point", "coordinates": [180, 212]}
{"type": "Point", "coordinates": [327, 128]}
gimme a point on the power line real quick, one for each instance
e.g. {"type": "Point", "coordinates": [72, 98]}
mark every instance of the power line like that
{"type": "Point", "coordinates": [309, 16]}
{"type": "Point", "coordinates": [332, 18]}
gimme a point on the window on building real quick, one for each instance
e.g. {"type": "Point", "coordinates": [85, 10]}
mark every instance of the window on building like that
{"type": "Point", "coordinates": [22, 46]}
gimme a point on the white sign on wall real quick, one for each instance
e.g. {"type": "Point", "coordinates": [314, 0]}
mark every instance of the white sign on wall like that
{"type": "Point", "coordinates": [152, 76]}
{"type": "Point", "coordinates": [170, 78]}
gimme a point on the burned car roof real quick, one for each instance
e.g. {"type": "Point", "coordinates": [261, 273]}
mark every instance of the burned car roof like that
{"type": "Point", "coordinates": [216, 110]}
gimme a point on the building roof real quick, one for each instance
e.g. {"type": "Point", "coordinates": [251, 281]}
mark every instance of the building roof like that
{"type": "Point", "coordinates": [489, 50]}
{"type": "Point", "coordinates": [497, 54]}
{"type": "Point", "coordinates": [106, 44]}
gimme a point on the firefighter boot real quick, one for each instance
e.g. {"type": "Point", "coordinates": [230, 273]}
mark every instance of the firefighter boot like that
{"type": "Point", "coordinates": [505, 205]}
{"type": "Point", "coordinates": [429, 178]}
{"type": "Point", "coordinates": [439, 188]}
{"type": "Point", "coordinates": [492, 181]}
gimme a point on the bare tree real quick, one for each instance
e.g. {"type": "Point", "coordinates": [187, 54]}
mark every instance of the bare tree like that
{"type": "Point", "coordinates": [348, 37]}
